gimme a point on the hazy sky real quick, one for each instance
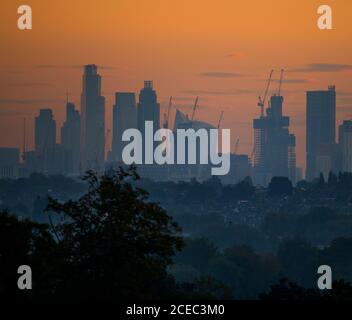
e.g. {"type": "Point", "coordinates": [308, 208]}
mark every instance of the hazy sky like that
{"type": "Point", "coordinates": [220, 50]}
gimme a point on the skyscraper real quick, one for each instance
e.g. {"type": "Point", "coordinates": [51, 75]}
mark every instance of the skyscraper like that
{"type": "Point", "coordinates": [70, 137]}
{"type": "Point", "coordinates": [148, 107]}
{"type": "Point", "coordinates": [148, 110]}
{"type": "Point", "coordinates": [345, 144]}
{"type": "Point", "coordinates": [92, 121]}
{"type": "Point", "coordinates": [320, 126]}
{"type": "Point", "coordinates": [124, 117]}
{"type": "Point", "coordinates": [9, 162]}
{"type": "Point", "coordinates": [45, 139]}
{"type": "Point", "coordinates": [274, 146]}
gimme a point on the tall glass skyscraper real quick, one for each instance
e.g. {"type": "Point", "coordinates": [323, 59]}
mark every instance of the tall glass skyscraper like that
{"type": "Point", "coordinates": [92, 121]}
{"type": "Point", "coordinates": [320, 126]}
{"type": "Point", "coordinates": [148, 109]}
{"type": "Point", "coordinates": [274, 146]}
{"type": "Point", "coordinates": [45, 139]}
{"type": "Point", "coordinates": [70, 137]}
{"type": "Point", "coordinates": [124, 117]}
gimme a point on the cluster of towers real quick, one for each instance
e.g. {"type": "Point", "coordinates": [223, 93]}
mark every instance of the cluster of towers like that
{"type": "Point", "coordinates": [274, 152]}
{"type": "Point", "coordinates": [325, 153]}
{"type": "Point", "coordinates": [84, 137]}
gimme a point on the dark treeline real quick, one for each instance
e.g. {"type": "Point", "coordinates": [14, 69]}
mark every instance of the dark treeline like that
{"type": "Point", "coordinates": [108, 237]}
{"type": "Point", "coordinates": [248, 273]}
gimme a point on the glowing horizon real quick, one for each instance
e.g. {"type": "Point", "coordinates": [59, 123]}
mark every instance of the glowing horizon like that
{"type": "Point", "coordinates": [222, 53]}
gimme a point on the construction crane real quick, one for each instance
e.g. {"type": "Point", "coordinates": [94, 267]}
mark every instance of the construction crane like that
{"type": "Point", "coordinates": [253, 152]}
{"type": "Point", "coordinates": [280, 83]}
{"type": "Point", "coordinates": [167, 115]}
{"type": "Point", "coordinates": [168, 112]}
{"type": "Point", "coordinates": [165, 124]}
{"type": "Point", "coordinates": [194, 108]}
{"type": "Point", "coordinates": [220, 119]}
{"type": "Point", "coordinates": [261, 102]}
{"type": "Point", "coordinates": [236, 146]}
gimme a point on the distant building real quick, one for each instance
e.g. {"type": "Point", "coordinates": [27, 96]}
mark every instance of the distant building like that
{"type": "Point", "coordinates": [345, 144]}
{"type": "Point", "coordinates": [92, 120]}
{"type": "Point", "coordinates": [62, 161]}
{"type": "Point", "coordinates": [198, 171]}
{"type": "Point", "coordinates": [320, 126]}
{"type": "Point", "coordinates": [299, 174]}
{"type": "Point", "coordinates": [327, 158]}
{"type": "Point", "coordinates": [45, 140]}
{"type": "Point", "coordinates": [240, 168]}
{"type": "Point", "coordinates": [31, 163]}
{"type": "Point", "coordinates": [9, 162]}
{"type": "Point", "coordinates": [274, 146]}
{"type": "Point", "coordinates": [148, 108]}
{"type": "Point", "coordinates": [70, 138]}
{"type": "Point", "coordinates": [124, 117]}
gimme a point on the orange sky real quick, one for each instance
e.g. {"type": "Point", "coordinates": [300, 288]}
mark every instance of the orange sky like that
{"type": "Point", "coordinates": [220, 50]}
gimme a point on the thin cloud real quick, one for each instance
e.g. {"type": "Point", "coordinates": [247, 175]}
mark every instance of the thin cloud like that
{"type": "Point", "coordinates": [219, 74]}
{"type": "Point", "coordinates": [219, 93]}
{"type": "Point", "coordinates": [27, 101]}
{"type": "Point", "coordinates": [14, 113]}
{"type": "Point", "coordinates": [183, 98]}
{"type": "Point", "coordinates": [344, 93]}
{"type": "Point", "coordinates": [345, 100]}
{"type": "Point", "coordinates": [322, 67]}
{"type": "Point", "coordinates": [291, 81]}
{"type": "Point", "coordinates": [236, 55]}
{"type": "Point", "coordinates": [54, 66]}
{"type": "Point", "coordinates": [179, 99]}
{"type": "Point", "coordinates": [30, 84]}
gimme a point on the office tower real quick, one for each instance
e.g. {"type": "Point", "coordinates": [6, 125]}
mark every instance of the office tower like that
{"type": "Point", "coordinates": [274, 146]}
{"type": "Point", "coordinates": [327, 158]}
{"type": "Point", "coordinates": [92, 120]}
{"type": "Point", "coordinates": [187, 171]}
{"type": "Point", "coordinates": [148, 107]}
{"type": "Point", "coordinates": [345, 144]}
{"type": "Point", "coordinates": [45, 139]}
{"type": "Point", "coordinates": [45, 131]}
{"type": "Point", "coordinates": [124, 117]}
{"type": "Point", "coordinates": [240, 168]}
{"type": "Point", "coordinates": [292, 165]}
{"type": "Point", "coordinates": [320, 126]}
{"type": "Point", "coordinates": [70, 138]}
{"type": "Point", "coordinates": [9, 162]}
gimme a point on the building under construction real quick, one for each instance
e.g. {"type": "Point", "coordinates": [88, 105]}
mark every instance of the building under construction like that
{"type": "Point", "coordinates": [274, 147]}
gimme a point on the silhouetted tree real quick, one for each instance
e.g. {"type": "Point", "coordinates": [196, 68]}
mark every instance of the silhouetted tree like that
{"type": "Point", "coordinates": [287, 290]}
{"type": "Point", "coordinates": [299, 261]}
{"type": "Point", "coordinates": [23, 242]}
{"type": "Point", "coordinates": [196, 252]}
{"type": "Point", "coordinates": [113, 242]}
{"type": "Point", "coordinates": [321, 180]}
{"type": "Point", "coordinates": [341, 290]}
{"type": "Point", "coordinates": [205, 288]}
{"type": "Point", "coordinates": [332, 179]}
{"type": "Point", "coordinates": [280, 186]}
{"type": "Point", "coordinates": [338, 257]}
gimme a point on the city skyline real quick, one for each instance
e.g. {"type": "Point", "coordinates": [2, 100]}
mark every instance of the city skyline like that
{"type": "Point", "coordinates": [83, 137]}
{"type": "Point", "coordinates": [148, 100]}
{"type": "Point", "coordinates": [220, 53]}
